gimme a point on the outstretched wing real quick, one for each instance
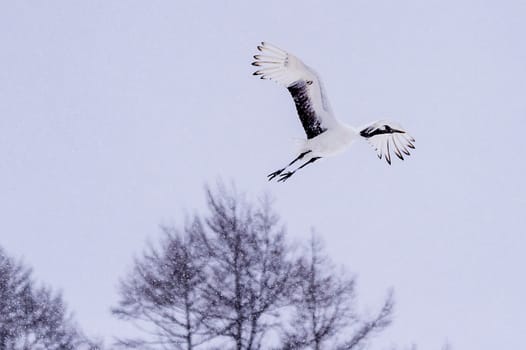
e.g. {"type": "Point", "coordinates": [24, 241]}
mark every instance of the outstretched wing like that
{"type": "Point", "coordinates": [303, 84]}
{"type": "Point", "coordinates": [387, 136]}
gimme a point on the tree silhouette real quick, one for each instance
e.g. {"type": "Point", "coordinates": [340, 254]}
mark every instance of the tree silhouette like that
{"type": "Point", "coordinates": [33, 317]}
{"type": "Point", "coordinates": [229, 279]}
{"type": "Point", "coordinates": [324, 311]}
{"type": "Point", "coordinates": [249, 269]}
{"type": "Point", "coordinates": [163, 293]}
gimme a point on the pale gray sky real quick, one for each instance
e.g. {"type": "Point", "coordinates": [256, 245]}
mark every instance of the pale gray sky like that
{"type": "Point", "coordinates": [113, 114]}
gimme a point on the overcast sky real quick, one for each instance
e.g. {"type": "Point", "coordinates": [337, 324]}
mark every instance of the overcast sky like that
{"type": "Point", "coordinates": [113, 114]}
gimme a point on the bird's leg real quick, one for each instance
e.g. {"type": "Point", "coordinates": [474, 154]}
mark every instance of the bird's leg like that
{"type": "Point", "coordinates": [299, 157]}
{"type": "Point", "coordinates": [312, 160]}
{"type": "Point", "coordinates": [279, 171]}
{"type": "Point", "coordinates": [283, 177]}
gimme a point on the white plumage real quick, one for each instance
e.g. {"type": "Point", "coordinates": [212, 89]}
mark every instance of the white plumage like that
{"type": "Point", "coordinates": [326, 136]}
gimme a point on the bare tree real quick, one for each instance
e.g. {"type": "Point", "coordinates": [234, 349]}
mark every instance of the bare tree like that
{"type": "Point", "coordinates": [230, 280]}
{"type": "Point", "coordinates": [31, 317]}
{"type": "Point", "coordinates": [324, 307]}
{"type": "Point", "coordinates": [249, 268]}
{"type": "Point", "coordinates": [162, 294]}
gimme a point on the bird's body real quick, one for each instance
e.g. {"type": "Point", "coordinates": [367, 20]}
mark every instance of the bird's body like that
{"type": "Point", "coordinates": [326, 135]}
{"type": "Point", "coordinates": [331, 142]}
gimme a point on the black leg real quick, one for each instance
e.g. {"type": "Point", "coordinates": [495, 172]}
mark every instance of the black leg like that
{"type": "Point", "coordinates": [299, 157]}
{"type": "Point", "coordinates": [312, 160]}
{"type": "Point", "coordinates": [283, 177]}
{"type": "Point", "coordinates": [279, 171]}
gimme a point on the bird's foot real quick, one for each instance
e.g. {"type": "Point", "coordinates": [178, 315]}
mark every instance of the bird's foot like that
{"type": "Point", "coordinates": [283, 177]}
{"type": "Point", "coordinates": [274, 174]}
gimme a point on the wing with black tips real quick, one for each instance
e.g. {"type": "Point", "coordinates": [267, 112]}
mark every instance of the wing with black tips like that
{"type": "Point", "coordinates": [385, 137]}
{"type": "Point", "coordinates": [302, 83]}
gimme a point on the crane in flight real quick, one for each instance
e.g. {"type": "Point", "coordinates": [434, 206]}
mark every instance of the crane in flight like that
{"type": "Point", "coordinates": [326, 135]}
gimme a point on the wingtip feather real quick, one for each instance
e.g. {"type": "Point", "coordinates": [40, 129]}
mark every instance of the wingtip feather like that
{"type": "Point", "coordinates": [385, 138]}
{"type": "Point", "coordinates": [388, 154]}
